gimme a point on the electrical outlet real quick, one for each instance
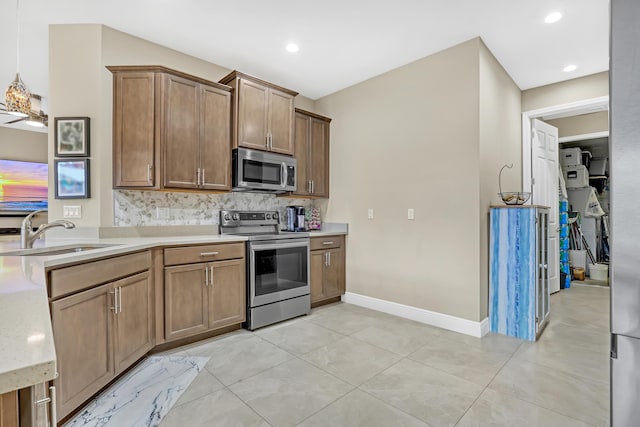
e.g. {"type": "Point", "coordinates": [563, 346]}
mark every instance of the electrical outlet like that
{"type": "Point", "coordinates": [411, 213]}
{"type": "Point", "coordinates": [162, 213]}
{"type": "Point", "coordinates": [370, 213]}
{"type": "Point", "coordinates": [71, 212]}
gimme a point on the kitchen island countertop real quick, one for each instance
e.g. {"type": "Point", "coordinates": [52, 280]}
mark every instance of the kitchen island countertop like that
{"type": "Point", "coordinates": [27, 350]}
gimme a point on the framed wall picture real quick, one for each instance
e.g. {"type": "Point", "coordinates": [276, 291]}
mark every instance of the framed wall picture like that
{"type": "Point", "coordinates": [71, 136]}
{"type": "Point", "coordinates": [71, 178]}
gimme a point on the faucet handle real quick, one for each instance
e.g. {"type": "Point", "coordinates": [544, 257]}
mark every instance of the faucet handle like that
{"type": "Point", "coordinates": [26, 222]}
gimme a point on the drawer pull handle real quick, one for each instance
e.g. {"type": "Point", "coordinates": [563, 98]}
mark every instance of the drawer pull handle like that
{"type": "Point", "coordinates": [208, 253]}
{"type": "Point", "coordinates": [327, 243]}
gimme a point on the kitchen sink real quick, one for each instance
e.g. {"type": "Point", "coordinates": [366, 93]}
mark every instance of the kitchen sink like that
{"type": "Point", "coordinates": [55, 250]}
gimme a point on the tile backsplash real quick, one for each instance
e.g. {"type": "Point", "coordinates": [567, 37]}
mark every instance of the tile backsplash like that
{"type": "Point", "coordinates": [153, 208]}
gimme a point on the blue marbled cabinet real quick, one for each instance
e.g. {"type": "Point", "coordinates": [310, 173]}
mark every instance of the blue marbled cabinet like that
{"type": "Point", "coordinates": [518, 277]}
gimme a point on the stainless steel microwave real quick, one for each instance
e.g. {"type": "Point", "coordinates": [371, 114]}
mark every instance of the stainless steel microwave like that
{"type": "Point", "coordinates": [261, 171]}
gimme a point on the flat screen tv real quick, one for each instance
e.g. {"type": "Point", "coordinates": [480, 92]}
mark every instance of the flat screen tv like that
{"type": "Point", "coordinates": [23, 187]}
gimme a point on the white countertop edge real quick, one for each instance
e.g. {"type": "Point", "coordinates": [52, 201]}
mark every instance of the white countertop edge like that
{"type": "Point", "coordinates": [28, 376]}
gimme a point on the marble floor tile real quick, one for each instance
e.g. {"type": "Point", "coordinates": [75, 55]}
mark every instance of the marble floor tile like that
{"type": "Point", "coordinates": [400, 337]}
{"type": "Point", "coordinates": [471, 363]}
{"type": "Point", "coordinates": [361, 409]}
{"type": "Point", "coordinates": [290, 392]}
{"type": "Point", "coordinates": [345, 321]}
{"type": "Point", "coordinates": [497, 409]}
{"type": "Point", "coordinates": [572, 359]}
{"type": "Point", "coordinates": [233, 361]}
{"type": "Point", "coordinates": [491, 342]}
{"type": "Point", "coordinates": [435, 397]}
{"type": "Point", "coordinates": [205, 383]}
{"type": "Point", "coordinates": [218, 409]}
{"type": "Point", "coordinates": [144, 395]}
{"type": "Point", "coordinates": [300, 337]}
{"type": "Point", "coordinates": [551, 388]}
{"type": "Point", "coordinates": [352, 360]}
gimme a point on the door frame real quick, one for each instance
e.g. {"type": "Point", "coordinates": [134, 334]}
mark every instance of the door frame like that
{"type": "Point", "coordinates": [583, 106]}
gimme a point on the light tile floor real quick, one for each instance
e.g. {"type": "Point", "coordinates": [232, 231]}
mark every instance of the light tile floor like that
{"type": "Point", "coordinates": [344, 365]}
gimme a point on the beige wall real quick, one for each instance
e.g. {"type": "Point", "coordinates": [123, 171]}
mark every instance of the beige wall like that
{"type": "Point", "coordinates": [593, 86]}
{"type": "Point", "coordinates": [80, 85]}
{"type": "Point", "coordinates": [16, 144]}
{"type": "Point", "coordinates": [582, 124]}
{"type": "Point", "coordinates": [409, 139]}
{"type": "Point", "coordinates": [500, 134]}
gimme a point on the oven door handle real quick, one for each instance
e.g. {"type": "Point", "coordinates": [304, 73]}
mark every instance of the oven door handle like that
{"type": "Point", "coordinates": [257, 246]}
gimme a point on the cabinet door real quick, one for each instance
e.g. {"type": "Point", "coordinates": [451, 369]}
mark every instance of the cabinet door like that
{"type": "Point", "coordinates": [9, 409]}
{"type": "Point", "coordinates": [133, 323]}
{"type": "Point", "coordinates": [252, 115]}
{"type": "Point", "coordinates": [227, 293]}
{"type": "Point", "coordinates": [82, 333]}
{"type": "Point", "coordinates": [317, 276]}
{"type": "Point", "coordinates": [181, 132]}
{"type": "Point", "coordinates": [281, 121]}
{"type": "Point", "coordinates": [301, 139]}
{"type": "Point", "coordinates": [185, 299]}
{"type": "Point", "coordinates": [334, 279]}
{"type": "Point", "coordinates": [215, 138]}
{"type": "Point", "coordinates": [319, 158]}
{"type": "Point", "coordinates": [133, 138]}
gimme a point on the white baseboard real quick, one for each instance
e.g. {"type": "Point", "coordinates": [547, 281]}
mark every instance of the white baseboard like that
{"type": "Point", "coordinates": [452, 323]}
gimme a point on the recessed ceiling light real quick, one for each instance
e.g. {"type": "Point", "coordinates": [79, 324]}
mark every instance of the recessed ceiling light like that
{"type": "Point", "coordinates": [553, 17]}
{"type": "Point", "coordinates": [292, 47]}
{"type": "Point", "coordinates": [569, 68]}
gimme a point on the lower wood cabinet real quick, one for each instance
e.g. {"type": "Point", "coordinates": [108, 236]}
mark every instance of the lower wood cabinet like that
{"type": "Point", "coordinates": [9, 409]}
{"type": "Point", "coordinates": [99, 333]}
{"type": "Point", "coordinates": [327, 268]}
{"type": "Point", "coordinates": [203, 296]}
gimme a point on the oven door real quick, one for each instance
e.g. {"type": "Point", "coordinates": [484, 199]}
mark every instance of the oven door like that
{"type": "Point", "coordinates": [278, 270]}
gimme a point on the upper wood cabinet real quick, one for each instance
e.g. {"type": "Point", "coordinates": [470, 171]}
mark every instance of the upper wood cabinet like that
{"type": "Point", "coordinates": [171, 130]}
{"type": "Point", "coordinates": [263, 114]}
{"type": "Point", "coordinates": [312, 154]}
{"type": "Point", "coordinates": [196, 135]}
{"type": "Point", "coordinates": [134, 144]}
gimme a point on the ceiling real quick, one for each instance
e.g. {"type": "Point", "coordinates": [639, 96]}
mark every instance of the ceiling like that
{"type": "Point", "coordinates": [341, 42]}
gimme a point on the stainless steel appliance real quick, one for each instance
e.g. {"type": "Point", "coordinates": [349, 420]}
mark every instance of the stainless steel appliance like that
{"type": "Point", "coordinates": [624, 148]}
{"type": "Point", "coordinates": [278, 266]}
{"type": "Point", "coordinates": [295, 218]}
{"type": "Point", "coordinates": [260, 171]}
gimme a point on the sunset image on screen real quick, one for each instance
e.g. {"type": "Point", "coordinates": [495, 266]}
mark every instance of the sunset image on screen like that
{"type": "Point", "coordinates": [23, 185]}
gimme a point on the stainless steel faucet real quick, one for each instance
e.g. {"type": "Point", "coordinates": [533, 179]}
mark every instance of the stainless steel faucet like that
{"type": "Point", "coordinates": [28, 236]}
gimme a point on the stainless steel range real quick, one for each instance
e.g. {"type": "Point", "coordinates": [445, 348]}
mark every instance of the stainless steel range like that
{"type": "Point", "coordinates": [277, 266]}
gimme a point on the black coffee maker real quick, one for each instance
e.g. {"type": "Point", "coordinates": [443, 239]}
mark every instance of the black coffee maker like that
{"type": "Point", "coordinates": [295, 218]}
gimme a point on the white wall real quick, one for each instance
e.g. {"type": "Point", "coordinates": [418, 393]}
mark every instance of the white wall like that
{"type": "Point", "coordinates": [582, 124]}
{"type": "Point", "coordinates": [16, 144]}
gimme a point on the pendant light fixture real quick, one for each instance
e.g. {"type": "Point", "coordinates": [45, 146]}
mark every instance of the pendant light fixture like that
{"type": "Point", "coordinates": [17, 96]}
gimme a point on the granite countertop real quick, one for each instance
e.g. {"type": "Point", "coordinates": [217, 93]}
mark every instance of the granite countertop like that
{"type": "Point", "coordinates": [27, 351]}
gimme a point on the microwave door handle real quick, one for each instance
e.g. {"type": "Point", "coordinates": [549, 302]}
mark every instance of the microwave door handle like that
{"type": "Point", "coordinates": [285, 177]}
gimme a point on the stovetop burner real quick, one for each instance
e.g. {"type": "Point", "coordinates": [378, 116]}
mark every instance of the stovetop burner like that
{"type": "Point", "coordinates": [257, 225]}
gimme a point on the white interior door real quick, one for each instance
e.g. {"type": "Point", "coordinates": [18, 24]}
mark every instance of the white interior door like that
{"type": "Point", "coordinates": [544, 171]}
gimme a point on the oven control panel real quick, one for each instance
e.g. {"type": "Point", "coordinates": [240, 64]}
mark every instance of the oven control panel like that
{"type": "Point", "coordinates": [244, 218]}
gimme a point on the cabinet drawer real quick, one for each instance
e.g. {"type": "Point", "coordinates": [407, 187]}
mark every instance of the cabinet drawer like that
{"type": "Point", "coordinates": [73, 279]}
{"type": "Point", "coordinates": [318, 243]}
{"type": "Point", "coordinates": [203, 253]}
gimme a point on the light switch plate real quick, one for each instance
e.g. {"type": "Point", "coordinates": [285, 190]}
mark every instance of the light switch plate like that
{"type": "Point", "coordinates": [71, 211]}
{"type": "Point", "coordinates": [411, 213]}
{"type": "Point", "coordinates": [370, 213]}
